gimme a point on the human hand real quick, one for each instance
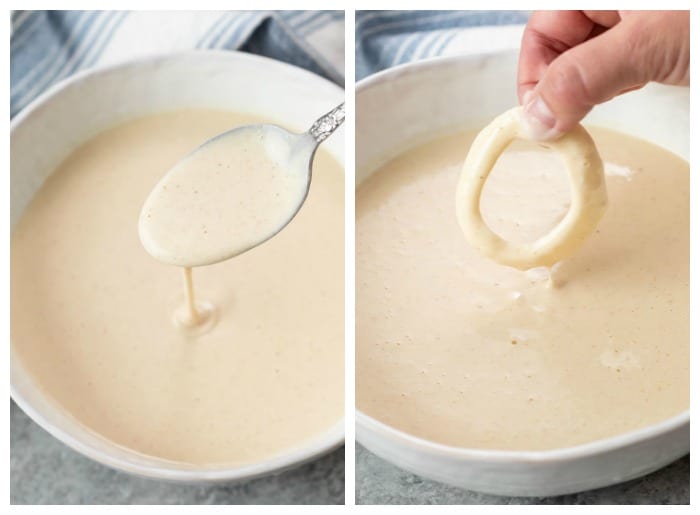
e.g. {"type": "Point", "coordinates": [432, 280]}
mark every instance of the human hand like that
{"type": "Point", "coordinates": [571, 61]}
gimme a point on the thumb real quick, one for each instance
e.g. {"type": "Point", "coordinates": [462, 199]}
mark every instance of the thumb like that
{"type": "Point", "coordinates": [597, 70]}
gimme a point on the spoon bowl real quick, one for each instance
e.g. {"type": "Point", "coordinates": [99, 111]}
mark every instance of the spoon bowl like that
{"type": "Point", "coordinates": [232, 193]}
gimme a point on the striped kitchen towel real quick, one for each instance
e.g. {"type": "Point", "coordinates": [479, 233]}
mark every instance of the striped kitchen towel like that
{"type": "Point", "coordinates": [49, 46]}
{"type": "Point", "coordinates": [388, 38]}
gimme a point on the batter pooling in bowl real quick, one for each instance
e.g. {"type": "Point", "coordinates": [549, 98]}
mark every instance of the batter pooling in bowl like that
{"type": "Point", "coordinates": [459, 349]}
{"type": "Point", "coordinates": [92, 311]}
{"type": "Point", "coordinates": [470, 353]}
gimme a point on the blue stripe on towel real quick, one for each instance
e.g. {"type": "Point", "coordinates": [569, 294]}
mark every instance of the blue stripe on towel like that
{"type": "Point", "coordinates": [74, 55]}
{"type": "Point", "coordinates": [389, 38]}
{"type": "Point", "coordinates": [109, 33]}
{"type": "Point", "coordinates": [40, 63]}
{"type": "Point", "coordinates": [277, 41]}
{"type": "Point", "coordinates": [24, 26]}
{"type": "Point", "coordinates": [237, 37]}
{"type": "Point", "coordinates": [229, 28]}
{"type": "Point", "coordinates": [49, 46]}
{"type": "Point", "coordinates": [215, 30]}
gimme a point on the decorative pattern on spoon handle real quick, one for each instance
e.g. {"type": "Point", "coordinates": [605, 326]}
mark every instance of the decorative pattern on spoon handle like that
{"type": "Point", "coordinates": [328, 123]}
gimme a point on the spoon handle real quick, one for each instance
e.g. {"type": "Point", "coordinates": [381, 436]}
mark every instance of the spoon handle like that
{"type": "Point", "coordinates": [328, 123]}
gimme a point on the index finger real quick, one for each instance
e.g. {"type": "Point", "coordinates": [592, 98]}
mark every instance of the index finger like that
{"type": "Point", "coordinates": [547, 35]}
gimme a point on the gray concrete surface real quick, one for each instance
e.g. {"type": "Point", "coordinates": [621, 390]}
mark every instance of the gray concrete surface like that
{"type": "Point", "coordinates": [44, 471]}
{"type": "Point", "coordinates": [379, 482]}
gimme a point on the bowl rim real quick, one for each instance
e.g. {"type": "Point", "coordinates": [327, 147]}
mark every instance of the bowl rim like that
{"type": "Point", "coordinates": [585, 450]}
{"type": "Point", "coordinates": [600, 446]}
{"type": "Point", "coordinates": [319, 445]}
{"type": "Point", "coordinates": [160, 57]}
{"type": "Point", "coordinates": [428, 63]}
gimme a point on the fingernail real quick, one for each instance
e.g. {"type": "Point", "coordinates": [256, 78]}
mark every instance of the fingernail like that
{"type": "Point", "coordinates": [539, 120]}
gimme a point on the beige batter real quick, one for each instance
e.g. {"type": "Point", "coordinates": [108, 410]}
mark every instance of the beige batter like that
{"type": "Point", "coordinates": [92, 311]}
{"type": "Point", "coordinates": [458, 349]}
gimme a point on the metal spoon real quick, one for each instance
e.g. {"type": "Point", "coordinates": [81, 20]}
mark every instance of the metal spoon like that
{"type": "Point", "coordinates": [189, 218]}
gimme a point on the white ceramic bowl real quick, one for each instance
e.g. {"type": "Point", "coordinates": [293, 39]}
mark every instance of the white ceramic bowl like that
{"type": "Point", "coordinates": [71, 112]}
{"type": "Point", "coordinates": [402, 106]}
